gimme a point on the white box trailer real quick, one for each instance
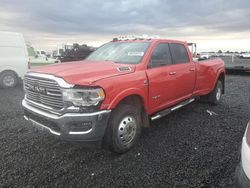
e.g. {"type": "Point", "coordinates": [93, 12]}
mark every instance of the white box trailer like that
{"type": "Point", "coordinates": [13, 58]}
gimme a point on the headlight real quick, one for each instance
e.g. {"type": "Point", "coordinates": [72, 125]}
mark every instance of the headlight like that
{"type": "Point", "coordinates": [84, 97]}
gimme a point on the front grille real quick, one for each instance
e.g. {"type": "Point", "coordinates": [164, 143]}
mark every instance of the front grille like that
{"type": "Point", "coordinates": [43, 91]}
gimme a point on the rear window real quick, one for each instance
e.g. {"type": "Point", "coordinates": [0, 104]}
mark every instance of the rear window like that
{"type": "Point", "coordinates": [179, 53]}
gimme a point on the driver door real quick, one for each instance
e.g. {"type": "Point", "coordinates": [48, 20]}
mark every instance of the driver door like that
{"type": "Point", "coordinates": [161, 79]}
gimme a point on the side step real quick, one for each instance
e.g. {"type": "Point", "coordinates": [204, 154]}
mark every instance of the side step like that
{"type": "Point", "coordinates": [173, 108]}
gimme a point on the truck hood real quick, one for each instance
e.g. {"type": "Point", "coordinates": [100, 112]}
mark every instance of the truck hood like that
{"type": "Point", "coordinates": [86, 72]}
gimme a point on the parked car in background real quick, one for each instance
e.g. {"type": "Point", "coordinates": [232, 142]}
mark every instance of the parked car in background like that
{"type": "Point", "coordinates": [203, 55]}
{"type": "Point", "coordinates": [13, 58]}
{"type": "Point", "coordinates": [39, 58]}
{"type": "Point", "coordinates": [41, 54]}
{"type": "Point", "coordinates": [245, 55]}
{"type": "Point", "coordinates": [109, 97]}
{"type": "Point", "coordinates": [75, 53]}
{"type": "Point", "coordinates": [243, 169]}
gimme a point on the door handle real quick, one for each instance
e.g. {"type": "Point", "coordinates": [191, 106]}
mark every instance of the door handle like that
{"type": "Point", "coordinates": [192, 69]}
{"type": "Point", "coordinates": [172, 73]}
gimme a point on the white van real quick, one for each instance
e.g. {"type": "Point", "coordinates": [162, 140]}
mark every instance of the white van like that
{"type": "Point", "coordinates": [13, 58]}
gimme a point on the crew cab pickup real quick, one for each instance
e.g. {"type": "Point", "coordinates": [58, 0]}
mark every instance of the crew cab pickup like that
{"type": "Point", "coordinates": [119, 89]}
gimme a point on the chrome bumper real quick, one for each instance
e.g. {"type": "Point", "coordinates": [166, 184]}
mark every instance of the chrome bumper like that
{"type": "Point", "coordinates": [70, 126]}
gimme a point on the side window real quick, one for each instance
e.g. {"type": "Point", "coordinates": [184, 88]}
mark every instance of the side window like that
{"type": "Point", "coordinates": [179, 53]}
{"type": "Point", "coordinates": [161, 56]}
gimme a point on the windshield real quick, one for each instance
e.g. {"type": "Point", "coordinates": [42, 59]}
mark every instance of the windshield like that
{"type": "Point", "coordinates": [120, 52]}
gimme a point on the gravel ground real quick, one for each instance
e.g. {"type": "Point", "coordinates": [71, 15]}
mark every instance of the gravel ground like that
{"type": "Point", "coordinates": [188, 148]}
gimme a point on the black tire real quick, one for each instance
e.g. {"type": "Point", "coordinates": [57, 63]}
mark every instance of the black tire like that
{"type": "Point", "coordinates": [119, 127]}
{"type": "Point", "coordinates": [8, 75]}
{"type": "Point", "coordinates": [215, 96]}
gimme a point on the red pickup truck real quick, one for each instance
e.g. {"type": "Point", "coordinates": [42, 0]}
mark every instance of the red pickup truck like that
{"type": "Point", "coordinates": [122, 86]}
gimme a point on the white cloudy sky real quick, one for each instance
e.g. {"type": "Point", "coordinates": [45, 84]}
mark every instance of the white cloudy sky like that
{"type": "Point", "coordinates": [213, 24]}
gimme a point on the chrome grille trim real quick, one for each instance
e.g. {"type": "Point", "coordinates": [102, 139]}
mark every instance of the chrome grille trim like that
{"type": "Point", "coordinates": [44, 92]}
{"type": "Point", "coordinates": [60, 81]}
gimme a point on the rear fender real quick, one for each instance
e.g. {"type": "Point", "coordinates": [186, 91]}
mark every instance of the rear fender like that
{"type": "Point", "coordinates": [220, 72]}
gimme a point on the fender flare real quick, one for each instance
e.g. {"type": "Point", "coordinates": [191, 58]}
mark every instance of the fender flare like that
{"type": "Point", "coordinates": [219, 72]}
{"type": "Point", "coordinates": [8, 69]}
{"type": "Point", "coordinates": [126, 93]}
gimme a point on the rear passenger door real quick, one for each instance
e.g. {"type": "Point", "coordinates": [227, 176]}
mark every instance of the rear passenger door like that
{"type": "Point", "coordinates": [183, 71]}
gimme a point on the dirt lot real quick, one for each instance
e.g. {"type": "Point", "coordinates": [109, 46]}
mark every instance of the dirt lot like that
{"type": "Point", "coordinates": [188, 148]}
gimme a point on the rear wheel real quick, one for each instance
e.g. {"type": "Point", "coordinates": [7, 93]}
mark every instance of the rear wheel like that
{"type": "Point", "coordinates": [124, 128]}
{"type": "Point", "coordinates": [8, 79]}
{"type": "Point", "coordinates": [215, 96]}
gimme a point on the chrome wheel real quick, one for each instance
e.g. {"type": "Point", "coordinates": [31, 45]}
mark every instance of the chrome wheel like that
{"type": "Point", "coordinates": [127, 130]}
{"type": "Point", "coordinates": [8, 80]}
{"type": "Point", "coordinates": [218, 94]}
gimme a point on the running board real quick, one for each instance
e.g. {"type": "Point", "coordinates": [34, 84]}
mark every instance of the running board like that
{"type": "Point", "coordinates": [173, 108]}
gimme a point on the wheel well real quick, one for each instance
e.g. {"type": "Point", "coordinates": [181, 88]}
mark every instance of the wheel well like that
{"type": "Point", "coordinates": [9, 71]}
{"type": "Point", "coordinates": [134, 100]}
{"type": "Point", "coordinates": [137, 101]}
{"type": "Point", "coordinates": [222, 79]}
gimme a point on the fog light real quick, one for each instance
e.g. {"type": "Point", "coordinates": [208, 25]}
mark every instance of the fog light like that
{"type": "Point", "coordinates": [80, 126]}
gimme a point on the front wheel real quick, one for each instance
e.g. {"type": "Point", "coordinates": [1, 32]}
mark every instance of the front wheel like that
{"type": "Point", "coordinates": [124, 128]}
{"type": "Point", "coordinates": [8, 79]}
